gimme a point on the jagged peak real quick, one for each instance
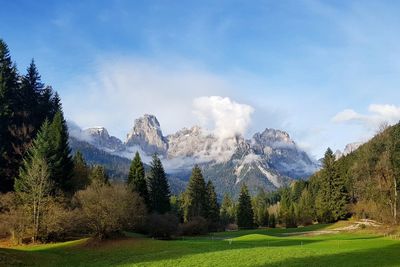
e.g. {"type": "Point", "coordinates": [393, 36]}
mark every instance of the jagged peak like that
{"type": "Point", "coordinates": [97, 130]}
{"type": "Point", "coordinates": [271, 135]}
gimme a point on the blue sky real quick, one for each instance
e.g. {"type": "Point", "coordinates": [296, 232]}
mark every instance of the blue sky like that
{"type": "Point", "coordinates": [327, 72]}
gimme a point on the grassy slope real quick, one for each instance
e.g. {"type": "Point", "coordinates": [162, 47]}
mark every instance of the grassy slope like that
{"type": "Point", "coordinates": [244, 248]}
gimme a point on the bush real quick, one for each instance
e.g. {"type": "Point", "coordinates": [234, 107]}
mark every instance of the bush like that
{"type": "Point", "coordinates": [196, 226]}
{"type": "Point", "coordinates": [163, 226]}
{"type": "Point", "coordinates": [232, 227]}
{"type": "Point", "coordinates": [107, 209]}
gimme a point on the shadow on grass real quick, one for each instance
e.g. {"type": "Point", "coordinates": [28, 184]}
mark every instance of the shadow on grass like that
{"type": "Point", "coordinates": [383, 256]}
{"type": "Point", "coordinates": [145, 250]}
{"type": "Point", "coordinates": [135, 250]}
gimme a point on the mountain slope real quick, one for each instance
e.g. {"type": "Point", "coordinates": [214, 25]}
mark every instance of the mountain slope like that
{"type": "Point", "coordinates": [268, 160]}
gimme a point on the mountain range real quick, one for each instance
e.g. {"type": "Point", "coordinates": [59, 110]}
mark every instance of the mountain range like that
{"type": "Point", "coordinates": [268, 160]}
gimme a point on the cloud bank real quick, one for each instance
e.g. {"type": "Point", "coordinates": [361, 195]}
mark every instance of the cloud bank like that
{"type": "Point", "coordinates": [121, 90]}
{"type": "Point", "coordinates": [226, 117]}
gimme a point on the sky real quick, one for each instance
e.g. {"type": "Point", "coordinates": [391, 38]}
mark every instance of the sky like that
{"type": "Point", "coordinates": [327, 72]}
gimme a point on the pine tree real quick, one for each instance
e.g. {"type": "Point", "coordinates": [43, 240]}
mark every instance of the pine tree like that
{"type": "Point", "coordinates": [245, 213]}
{"type": "Point", "coordinates": [31, 90]}
{"type": "Point", "coordinates": [260, 208]}
{"type": "Point", "coordinates": [287, 209]}
{"type": "Point", "coordinates": [304, 211]}
{"type": "Point", "coordinates": [99, 176]}
{"type": "Point", "coordinates": [8, 100]}
{"type": "Point", "coordinates": [213, 207]}
{"type": "Point", "coordinates": [227, 210]}
{"type": "Point", "coordinates": [62, 165]}
{"type": "Point", "coordinates": [137, 179]}
{"type": "Point", "coordinates": [331, 197]}
{"type": "Point", "coordinates": [159, 192]}
{"type": "Point", "coordinates": [80, 178]}
{"type": "Point", "coordinates": [196, 196]}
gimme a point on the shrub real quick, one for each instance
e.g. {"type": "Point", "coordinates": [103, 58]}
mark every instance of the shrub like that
{"type": "Point", "coordinates": [108, 209]}
{"type": "Point", "coordinates": [232, 227]}
{"type": "Point", "coordinates": [196, 226]}
{"type": "Point", "coordinates": [163, 226]}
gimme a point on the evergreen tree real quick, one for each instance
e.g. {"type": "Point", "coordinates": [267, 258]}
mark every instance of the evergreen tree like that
{"type": "Point", "coordinates": [159, 192]}
{"type": "Point", "coordinates": [99, 176]}
{"type": "Point", "coordinates": [245, 213]}
{"type": "Point", "coordinates": [227, 210]}
{"type": "Point", "coordinates": [260, 209]}
{"type": "Point", "coordinates": [305, 214]}
{"type": "Point", "coordinates": [213, 207]}
{"type": "Point", "coordinates": [31, 90]}
{"type": "Point", "coordinates": [287, 209]}
{"type": "Point", "coordinates": [62, 165]}
{"type": "Point", "coordinates": [80, 178]}
{"type": "Point", "coordinates": [196, 194]}
{"type": "Point", "coordinates": [331, 197]}
{"type": "Point", "coordinates": [8, 100]}
{"type": "Point", "coordinates": [137, 179]}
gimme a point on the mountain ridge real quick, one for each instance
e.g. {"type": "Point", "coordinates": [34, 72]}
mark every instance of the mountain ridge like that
{"type": "Point", "coordinates": [268, 160]}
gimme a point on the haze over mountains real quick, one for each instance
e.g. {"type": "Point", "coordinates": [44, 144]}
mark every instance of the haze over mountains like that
{"type": "Point", "coordinates": [269, 160]}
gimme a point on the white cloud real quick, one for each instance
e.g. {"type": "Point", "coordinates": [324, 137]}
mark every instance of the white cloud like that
{"type": "Point", "coordinates": [226, 117]}
{"type": "Point", "coordinates": [377, 114]}
{"type": "Point", "coordinates": [121, 90]}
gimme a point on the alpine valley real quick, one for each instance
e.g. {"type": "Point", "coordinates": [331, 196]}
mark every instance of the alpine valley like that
{"type": "Point", "coordinates": [269, 160]}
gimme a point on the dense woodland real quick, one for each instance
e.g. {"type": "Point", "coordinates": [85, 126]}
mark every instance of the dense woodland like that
{"type": "Point", "coordinates": [50, 194]}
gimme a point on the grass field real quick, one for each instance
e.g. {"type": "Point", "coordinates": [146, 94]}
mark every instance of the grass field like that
{"type": "Point", "coordinates": [273, 247]}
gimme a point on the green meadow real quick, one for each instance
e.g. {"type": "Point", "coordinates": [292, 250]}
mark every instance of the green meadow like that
{"type": "Point", "coordinates": [309, 246]}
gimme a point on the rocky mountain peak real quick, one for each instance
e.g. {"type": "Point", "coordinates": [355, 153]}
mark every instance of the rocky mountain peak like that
{"type": "Point", "coordinates": [147, 134]}
{"type": "Point", "coordinates": [97, 131]}
{"type": "Point", "coordinates": [273, 136]}
{"type": "Point", "coordinates": [100, 137]}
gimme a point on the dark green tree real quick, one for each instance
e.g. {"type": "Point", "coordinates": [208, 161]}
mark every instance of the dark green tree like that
{"type": "Point", "coordinates": [98, 175]}
{"type": "Point", "coordinates": [260, 208]}
{"type": "Point", "coordinates": [62, 165]}
{"type": "Point", "coordinates": [137, 180]}
{"type": "Point", "coordinates": [331, 198]}
{"type": "Point", "coordinates": [213, 207]}
{"type": "Point", "coordinates": [287, 209]}
{"type": "Point", "coordinates": [245, 213]}
{"type": "Point", "coordinates": [227, 211]}
{"type": "Point", "coordinates": [159, 192]}
{"type": "Point", "coordinates": [8, 100]}
{"type": "Point", "coordinates": [80, 178]}
{"type": "Point", "coordinates": [196, 196]}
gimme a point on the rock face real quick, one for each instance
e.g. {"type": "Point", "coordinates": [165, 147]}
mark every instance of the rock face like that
{"type": "Point", "coordinates": [99, 137]}
{"type": "Point", "coordinates": [147, 135]}
{"type": "Point", "coordinates": [268, 160]}
{"type": "Point", "coordinates": [349, 148]}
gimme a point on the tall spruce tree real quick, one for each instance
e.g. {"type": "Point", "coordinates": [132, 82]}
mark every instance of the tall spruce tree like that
{"type": "Point", "coordinates": [137, 180]}
{"type": "Point", "coordinates": [245, 213]}
{"type": "Point", "coordinates": [62, 165]}
{"type": "Point", "coordinates": [159, 192]}
{"type": "Point", "coordinates": [8, 101]}
{"type": "Point", "coordinates": [331, 197]}
{"type": "Point", "coordinates": [31, 90]}
{"type": "Point", "coordinates": [213, 207]}
{"type": "Point", "coordinates": [287, 212]}
{"type": "Point", "coordinates": [196, 196]}
{"type": "Point", "coordinates": [227, 211]}
{"type": "Point", "coordinates": [80, 178]}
